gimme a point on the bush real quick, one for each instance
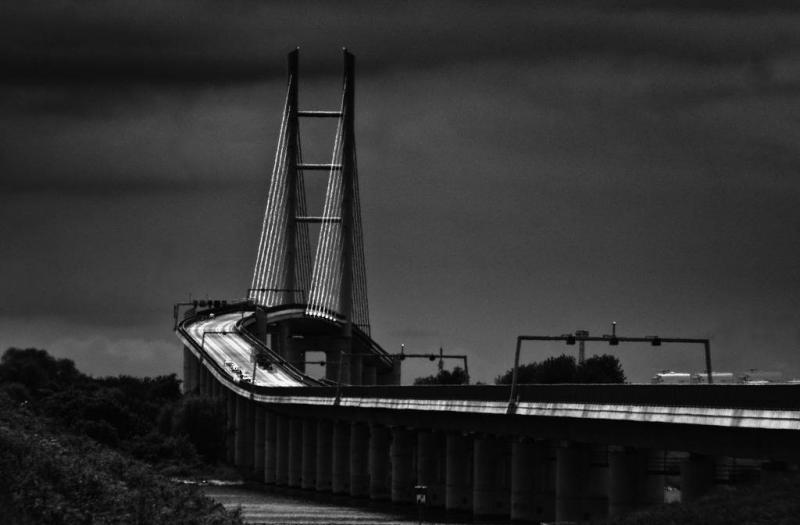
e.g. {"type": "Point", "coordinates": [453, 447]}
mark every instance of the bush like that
{"type": "Point", "coordinates": [46, 477]}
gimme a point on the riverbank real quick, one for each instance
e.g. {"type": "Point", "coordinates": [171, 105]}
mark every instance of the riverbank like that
{"type": "Point", "coordinates": [776, 501]}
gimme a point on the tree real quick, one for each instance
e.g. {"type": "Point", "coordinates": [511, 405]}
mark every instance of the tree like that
{"type": "Point", "coordinates": [561, 369]}
{"type": "Point", "coordinates": [37, 370]}
{"type": "Point", "coordinates": [564, 369]}
{"type": "Point", "coordinates": [457, 377]}
{"type": "Point", "coordinates": [601, 369]}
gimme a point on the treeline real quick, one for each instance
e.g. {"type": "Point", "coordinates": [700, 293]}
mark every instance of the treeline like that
{"type": "Point", "coordinates": [565, 369]}
{"type": "Point", "coordinates": [458, 376]}
{"type": "Point", "coordinates": [562, 369]}
{"type": "Point", "coordinates": [145, 417]}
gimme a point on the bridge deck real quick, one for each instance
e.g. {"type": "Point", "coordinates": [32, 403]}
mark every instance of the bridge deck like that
{"type": "Point", "coordinates": [774, 407]}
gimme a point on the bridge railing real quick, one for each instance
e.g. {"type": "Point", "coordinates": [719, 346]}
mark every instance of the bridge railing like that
{"type": "Point", "coordinates": [771, 397]}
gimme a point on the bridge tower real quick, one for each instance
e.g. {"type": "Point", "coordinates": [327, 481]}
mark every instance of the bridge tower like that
{"type": "Point", "coordinates": [330, 286]}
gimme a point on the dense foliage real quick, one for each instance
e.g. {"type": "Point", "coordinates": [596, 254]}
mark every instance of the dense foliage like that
{"type": "Point", "coordinates": [565, 369]}
{"type": "Point", "coordinates": [47, 476]}
{"type": "Point", "coordinates": [146, 417]}
{"type": "Point", "coordinates": [445, 377]}
{"type": "Point", "coordinates": [768, 503]}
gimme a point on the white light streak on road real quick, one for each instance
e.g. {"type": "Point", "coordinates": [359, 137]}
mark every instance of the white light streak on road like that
{"type": "Point", "coordinates": [233, 347]}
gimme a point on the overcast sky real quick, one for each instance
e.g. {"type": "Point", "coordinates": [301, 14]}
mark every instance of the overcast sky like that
{"type": "Point", "coordinates": [525, 168]}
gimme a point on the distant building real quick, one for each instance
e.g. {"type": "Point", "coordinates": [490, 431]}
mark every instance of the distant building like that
{"type": "Point", "coordinates": [757, 377]}
{"type": "Point", "coordinates": [668, 377]}
{"type": "Point", "coordinates": [750, 377]}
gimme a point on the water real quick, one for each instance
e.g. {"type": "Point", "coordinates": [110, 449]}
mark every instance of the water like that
{"type": "Point", "coordinates": [281, 506]}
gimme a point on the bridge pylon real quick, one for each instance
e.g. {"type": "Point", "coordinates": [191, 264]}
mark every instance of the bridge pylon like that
{"type": "Point", "coordinates": [330, 286]}
{"type": "Point", "coordinates": [334, 286]}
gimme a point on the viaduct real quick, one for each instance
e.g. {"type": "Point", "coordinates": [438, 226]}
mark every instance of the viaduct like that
{"type": "Point", "coordinates": [553, 452]}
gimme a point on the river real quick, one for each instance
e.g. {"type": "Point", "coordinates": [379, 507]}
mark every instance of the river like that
{"type": "Point", "coordinates": [276, 506]}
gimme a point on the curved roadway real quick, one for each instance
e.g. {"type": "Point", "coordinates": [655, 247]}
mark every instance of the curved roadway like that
{"type": "Point", "coordinates": [223, 342]}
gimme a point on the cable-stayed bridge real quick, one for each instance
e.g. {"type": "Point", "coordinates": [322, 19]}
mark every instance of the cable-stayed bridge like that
{"type": "Point", "coordinates": [535, 453]}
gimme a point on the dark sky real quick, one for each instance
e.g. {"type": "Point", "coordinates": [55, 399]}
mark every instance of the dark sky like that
{"type": "Point", "coordinates": [525, 168]}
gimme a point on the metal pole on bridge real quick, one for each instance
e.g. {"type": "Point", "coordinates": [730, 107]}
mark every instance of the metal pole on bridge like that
{"type": "Point", "coordinates": [612, 340]}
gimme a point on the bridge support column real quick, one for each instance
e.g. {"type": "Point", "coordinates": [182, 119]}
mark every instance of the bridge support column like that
{"type": "Point", "coordinates": [258, 442]}
{"type": "Point", "coordinates": [230, 440]}
{"type": "Point", "coordinates": [260, 325]}
{"type": "Point", "coordinates": [458, 481]}
{"type": "Point", "coordinates": [188, 359]}
{"type": "Point", "coordinates": [324, 457]}
{"type": "Point", "coordinates": [270, 446]}
{"type": "Point", "coordinates": [654, 481]}
{"type": "Point", "coordinates": [430, 453]}
{"type": "Point", "coordinates": [238, 447]}
{"type": "Point", "coordinates": [202, 379]}
{"type": "Point", "coordinates": [282, 451]}
{"type": "Point", "coordinates": [356, 369]}
{"type": "Point", "coordinates": [332, 365]}
{"type": "Point", "coordinates": [197, 369]}
{"type": "Point", "coordinates": [243, 452]}
{"type": "Point", "coordinates": [295, 452]}
{"type": "Point", "coordinates": [341, 457]}
{"type": "Point", "coordinates": [287, 349]}
{"type": "Point", "coordinates": [573, 482]}
{"type": "Point", "coordinates": [598, 482]}
{"type": "Point", "coordinates": [249, 436]}
{"type": "Point", "coordinates": [490, 490]}
{"type": "Point", "coordinates": [532, 481]}
{"type": "Point", "coordinates": [369, 375]}
{"type": "Point", "coordinates": [308, 478]}
{"type": "Point", "coordinates": [391, 377]}
{"type": "Point", "coordinates": [631, 485]}
{"type": "Point", "coordinates": [402, 461]}
{"type": "Point", "coordinates": [379, 463]}
{"type": "Point", "coordinates": [697, 476]}
{"type": "Point", "coordinates": [359, 462]}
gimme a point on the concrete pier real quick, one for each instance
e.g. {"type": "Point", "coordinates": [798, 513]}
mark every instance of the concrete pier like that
{"type": "Point", "coordinates": [258, 442]}
{"type": "Point", "coordinates": [697, 476]}
{"type": "Point", "coordinates": [238, 423]}
{"type": "Point", "coordinates": [341, 458]}
{"type": "Point", "coordinates": [379, 463]}
{"type": "Point", "coordinates": [230, 439]}
{"type": "Point", "coordinates": [270, 446]}
{"type": "Point", "coordinates": [402, 460]}
{"type": "Point", "coordinates": [282, 451]}
{"type": "Point", "coordinates": [458, 481]}
{"type": "Point", "coordinates": [430, 465]}
{"type": "Point", "coordinates": [573, 482]}
{"type": "Point", "coordinates": [243, 452]}
{"type": "Point", "coordinates": [295, 452]}
{"type": "Point", "coordinates": [597, 496]}
{"type": "Point", "coordinates": [188, 371]}
{"type": "Point", "coordinates": [532, 481]}
{"type": "Point", "coordinates": [324, 458]}
{"type": "Point", "coordinates": [359, 460]}
{"type": "Point", "coordinates": [308, 468]}
{"type": "Point", "coordinates": [490, 487]}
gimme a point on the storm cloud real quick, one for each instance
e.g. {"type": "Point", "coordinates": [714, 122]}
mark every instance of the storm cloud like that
{"type": "Point", "coordinates": [524, 168]}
